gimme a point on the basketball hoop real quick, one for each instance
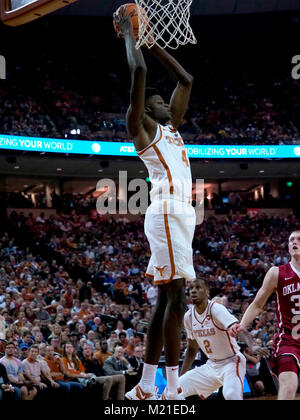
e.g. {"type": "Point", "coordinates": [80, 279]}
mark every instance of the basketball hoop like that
{"type": "Point", "coordinates": [169, 23]}
{"type": "Point", "coordinates": [18, 12]}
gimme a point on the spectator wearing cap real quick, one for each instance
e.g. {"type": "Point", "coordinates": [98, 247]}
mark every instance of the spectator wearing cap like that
{"type": "Point", "coordinates": [24, 348]}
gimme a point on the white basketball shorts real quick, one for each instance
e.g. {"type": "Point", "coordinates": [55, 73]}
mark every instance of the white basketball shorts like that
{"type": "Point", "coordinates": [208, 378]}
{"type": "Point", "coordinates": [170, 227]}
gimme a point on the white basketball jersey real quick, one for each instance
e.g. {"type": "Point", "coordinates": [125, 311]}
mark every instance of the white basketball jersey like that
{"type": "Point", "coordinates": [210, 331]}
{"type": "Point", "coordinates": [168, 166]}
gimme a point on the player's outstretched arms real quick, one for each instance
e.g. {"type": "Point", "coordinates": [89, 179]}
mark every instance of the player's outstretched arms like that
{"type": "Point", "coordinates": [189, 357]}
{"type": "Point", "coordinates": [181, 95]}
{"type": "Point", "coordinates": [268, 287]}
{"type": "Point", "coordinates": [135, 118]}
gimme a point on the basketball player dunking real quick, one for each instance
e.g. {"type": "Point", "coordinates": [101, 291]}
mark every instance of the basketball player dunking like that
{"type": "Point", "coordinates": [285, 282]}
{"type": "Point", "coordinates": [170, 219]}
{"type": "Point", "coordinates": [207, 323]}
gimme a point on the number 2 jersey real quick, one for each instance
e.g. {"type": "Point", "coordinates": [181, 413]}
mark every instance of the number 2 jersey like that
{"type": "Point", "coordinates": [168, 166]}
{"type": "Point", "coordinates": [210, 330]}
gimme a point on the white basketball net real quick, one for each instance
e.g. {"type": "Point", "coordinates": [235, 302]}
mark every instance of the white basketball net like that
{"type": "Point", "coordinates": [166, 23]}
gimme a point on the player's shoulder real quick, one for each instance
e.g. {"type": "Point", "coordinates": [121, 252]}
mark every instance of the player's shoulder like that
{"type": "Point", "coordinates": [217, 306]}
{"type": "Point", "coordinates": [273, 273]}
{"type": "Point", "coordinates": [275, 269]}
{"type": "Point", "coordinates": [188, 316]}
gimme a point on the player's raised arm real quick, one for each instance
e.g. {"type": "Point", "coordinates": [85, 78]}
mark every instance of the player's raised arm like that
{"type": "Point", "coordinates": [181, 95]}
{"type": "Point", "coordinates": [256, 307]}
{"type": "Point", "coordinates": [135, 118]}
{"type": "Point", "coordinates": [269, 286]}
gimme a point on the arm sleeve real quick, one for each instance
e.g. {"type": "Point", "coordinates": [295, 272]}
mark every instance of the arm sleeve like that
{"type": "Point", "coordinates": [221, 316]}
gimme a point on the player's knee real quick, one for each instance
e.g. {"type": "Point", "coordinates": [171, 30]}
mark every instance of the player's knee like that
{"type": "Point", "coordinates": [178, 307]}
{"type": "Point", "coordinates": [232, 394]}
{"type": "Point", "coordinates": [289, 390]}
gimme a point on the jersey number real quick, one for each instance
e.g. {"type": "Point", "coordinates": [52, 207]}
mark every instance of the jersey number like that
{"type": "Point", "coordinates": [296, 318]}
{"type": "Point", "coordinates": [185, 158]}
{"type": "Point", "coordinates": [207, 346]}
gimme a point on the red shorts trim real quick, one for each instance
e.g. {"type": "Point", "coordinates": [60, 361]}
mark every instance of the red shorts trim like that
{"type": "Point", "coordinates": [284, 363]}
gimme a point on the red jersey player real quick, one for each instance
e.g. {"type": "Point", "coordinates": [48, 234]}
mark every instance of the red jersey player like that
{"type": "Point", "coordinates": [285, 282]}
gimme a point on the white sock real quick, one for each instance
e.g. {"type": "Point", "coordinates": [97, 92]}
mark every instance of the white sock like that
{"type": "Point", "coordinates": [148, 376]}
{"type": "Point", "coordinates": [172, 379]}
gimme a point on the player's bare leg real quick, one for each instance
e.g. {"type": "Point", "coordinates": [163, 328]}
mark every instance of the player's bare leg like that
{"type": "Point", "coordinates": [172, 326]}
{"type": "Point", "coordinates": [155, 330]}
{"type": "Point", "coordinates": [146, 387]}
{"type": "Point", "coordinates": [288, 385]}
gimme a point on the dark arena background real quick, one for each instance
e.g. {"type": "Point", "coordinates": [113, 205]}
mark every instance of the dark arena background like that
{"type": "Point", "coordinates": [70, 272]}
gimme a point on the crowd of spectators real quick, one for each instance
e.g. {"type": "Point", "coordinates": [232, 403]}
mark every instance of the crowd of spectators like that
{"type": "Point", "coordinates": [60, 94]}
{"type": "Point", "coordinates": [75, 302]}
{"type": "Point", "coordinates": [239, 116]}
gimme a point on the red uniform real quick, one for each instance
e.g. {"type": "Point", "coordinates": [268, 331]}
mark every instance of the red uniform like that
{"type": "Point", "coordinates": [286, 356]}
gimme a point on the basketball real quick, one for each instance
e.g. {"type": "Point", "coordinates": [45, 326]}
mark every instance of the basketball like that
{"type": "Point", "coordinates": [134, 18]}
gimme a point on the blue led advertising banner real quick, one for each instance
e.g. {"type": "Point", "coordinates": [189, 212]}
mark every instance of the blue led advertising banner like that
{"type": "Point", "coordinates": [103, 148]}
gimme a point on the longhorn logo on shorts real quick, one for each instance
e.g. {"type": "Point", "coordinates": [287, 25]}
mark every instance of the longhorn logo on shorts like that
{"type": "Point", "coordinates": [161, 270]}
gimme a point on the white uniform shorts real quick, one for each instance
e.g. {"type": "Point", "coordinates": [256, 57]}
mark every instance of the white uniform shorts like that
{"type": "Point", "coordinates": [170, 227]}
{"type": "Point", "coordinates": [208, 378]}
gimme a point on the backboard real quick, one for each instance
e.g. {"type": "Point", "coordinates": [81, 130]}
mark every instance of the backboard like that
{"type": "Point", "coordinates": [18, 12]}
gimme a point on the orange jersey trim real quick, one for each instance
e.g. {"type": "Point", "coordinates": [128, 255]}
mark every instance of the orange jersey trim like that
{"type": "Point", "coordinates": [152, 144]}
{"type": "Point", "coordinates": [167, 227]}
{"type": "Point", "coordinates": [170, 248]}
{"type": "Point", "coordinates": [164, 163]}
{"type": "Point", "coordinates": [238, 373]}
{"type": "Point", "coordinates": [231, 345]}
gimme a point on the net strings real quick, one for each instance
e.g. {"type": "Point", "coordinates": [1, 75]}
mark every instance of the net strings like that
{"type": "Point", "coordinates": [166, 23]}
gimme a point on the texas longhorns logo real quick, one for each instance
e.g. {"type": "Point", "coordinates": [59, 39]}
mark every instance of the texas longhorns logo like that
{"type": "Point", "coordinates": [161, 269]}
